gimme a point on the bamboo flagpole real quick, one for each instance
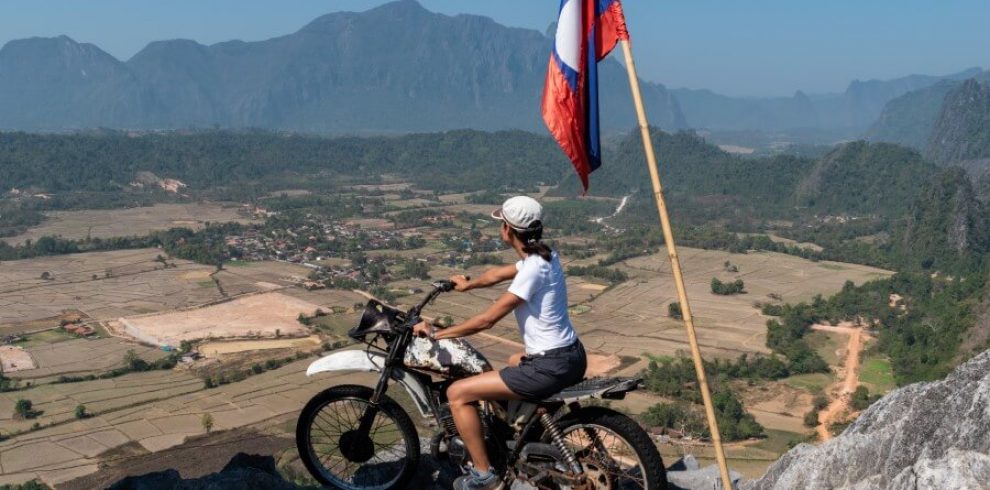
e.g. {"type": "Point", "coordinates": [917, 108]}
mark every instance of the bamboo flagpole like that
{"type": "Point", "coordinates": [675, 265]}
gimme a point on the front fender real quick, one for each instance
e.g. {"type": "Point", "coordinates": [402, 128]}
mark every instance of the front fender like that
{"type": "Point", "coordinates": [348, 360]}
{"type": "Point", "coordinates": [369, 361]}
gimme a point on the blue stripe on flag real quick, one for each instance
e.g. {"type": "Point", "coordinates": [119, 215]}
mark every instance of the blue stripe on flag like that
{"type": "Point", "coordinates": [592, 137]}
{"type": "Point", "coordinates": [601, 6]}
{"type": "Point", "coordinates": [569, 73]}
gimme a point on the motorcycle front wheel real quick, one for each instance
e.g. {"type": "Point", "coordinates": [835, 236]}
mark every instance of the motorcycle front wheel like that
{"type": "Point", "coordinates": [350, 444]}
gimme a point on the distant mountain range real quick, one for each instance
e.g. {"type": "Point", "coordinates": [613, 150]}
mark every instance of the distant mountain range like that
{"type": "Point", "coordinates": [852, 111]}
{"type": "Point", "coordinates": [395, 68]}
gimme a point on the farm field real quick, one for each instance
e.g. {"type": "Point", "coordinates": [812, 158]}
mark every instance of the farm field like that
{"type": "Point", "coordinates": [127, 283]}
{"type": "Point", "coordinates": [876, 374]}
{"type": "Point", "coordinates": [102, 285]}
{"type": "Point", "coordinates": [107, 223]}
{"type": "Point", "coordinates": [263, 315]}
{"type": "Point", "coordinates": [631, 318]}
{"type": "Point", "coordinates": [216, 349]}
{"type": "Point", "coordinates": [83, 356]}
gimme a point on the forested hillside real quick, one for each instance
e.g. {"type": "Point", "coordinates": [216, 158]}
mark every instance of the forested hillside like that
{"type": "Point", "coordinates": [110, 161]}
{"type": "Point", "coordinates": [861, 178]}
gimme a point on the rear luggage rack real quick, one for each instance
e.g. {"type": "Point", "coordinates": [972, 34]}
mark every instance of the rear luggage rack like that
{"type": "Point", "coordinates": [597, 387]}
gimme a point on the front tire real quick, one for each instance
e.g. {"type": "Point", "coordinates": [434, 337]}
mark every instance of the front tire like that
{"type": "Point", "coordinates": [340, 454]}
{"type": "Point", "coordinates": [616, 453]}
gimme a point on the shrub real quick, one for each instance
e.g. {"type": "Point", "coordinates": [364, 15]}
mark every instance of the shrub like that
{"type": "Point", "coordinates": [728, 288]}
{"type": "Point", "coordinates": [820, 401]}
{"type": "Point", "coordinates": [861, 398]}
{"type": "Point", "coordinates": [25, 409]}
{"type": "Point", "coordinates": [81, 411]}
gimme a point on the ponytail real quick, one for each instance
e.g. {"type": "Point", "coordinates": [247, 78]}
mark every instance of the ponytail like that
{"type": "Point", "coordinates": [530, 237]}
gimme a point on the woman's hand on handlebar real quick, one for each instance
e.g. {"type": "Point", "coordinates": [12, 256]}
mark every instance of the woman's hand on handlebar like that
{"type": "Point", "coordinates": [423, 329]}
{"type": "Point", "coordinates": [460, 282]}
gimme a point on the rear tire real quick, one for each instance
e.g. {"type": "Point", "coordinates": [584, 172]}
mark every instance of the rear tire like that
{"type": "Point", "coordinates": [357, 449]}
{"type": "Point", "coordinates": [608, 426]}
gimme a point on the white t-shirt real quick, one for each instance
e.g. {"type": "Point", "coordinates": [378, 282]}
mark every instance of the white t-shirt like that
{"type": "Point", "coordinates": [543, 320]}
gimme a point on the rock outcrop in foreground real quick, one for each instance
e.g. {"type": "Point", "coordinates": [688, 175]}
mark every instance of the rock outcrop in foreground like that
{"type": "Point", "coordinates": [923, 436]}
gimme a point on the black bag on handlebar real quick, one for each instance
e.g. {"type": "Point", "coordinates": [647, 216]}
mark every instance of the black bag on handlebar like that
{"type": "Point", "coordinates": [377, 318]}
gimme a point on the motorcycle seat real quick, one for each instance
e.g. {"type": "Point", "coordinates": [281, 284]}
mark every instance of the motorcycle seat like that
{"type": "Point", "coordinates": [597, 387]}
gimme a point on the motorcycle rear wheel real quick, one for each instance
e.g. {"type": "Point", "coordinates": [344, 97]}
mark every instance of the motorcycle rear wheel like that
{"type": "Point", "coordinates": [616, 453]}
{"type": "Point", "coordinates": [340, 455]}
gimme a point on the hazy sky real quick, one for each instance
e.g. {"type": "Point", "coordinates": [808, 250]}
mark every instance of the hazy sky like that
{"type": "Point", "coordinates": [736, 47]}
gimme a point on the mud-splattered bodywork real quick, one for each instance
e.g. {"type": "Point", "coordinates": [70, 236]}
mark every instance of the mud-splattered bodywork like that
{"type": "Point", "coordinates": [455, 358]}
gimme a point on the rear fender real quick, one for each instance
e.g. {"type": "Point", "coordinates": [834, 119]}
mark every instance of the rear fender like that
{"type": "Point", "coordinates": [359, 360]}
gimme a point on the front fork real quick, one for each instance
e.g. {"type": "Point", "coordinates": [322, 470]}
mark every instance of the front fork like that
{"type": "Point", "coordinates": [368, 418]}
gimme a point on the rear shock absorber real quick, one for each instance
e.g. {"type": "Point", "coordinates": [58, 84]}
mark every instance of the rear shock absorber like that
{"type": "Point", "coordinates": [557, 439]}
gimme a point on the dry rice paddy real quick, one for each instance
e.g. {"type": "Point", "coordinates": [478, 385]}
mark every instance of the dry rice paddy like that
{"type": "Point", "coordinates": [107, 223]}
{"type": "Point", "coordinates": [257, 315]}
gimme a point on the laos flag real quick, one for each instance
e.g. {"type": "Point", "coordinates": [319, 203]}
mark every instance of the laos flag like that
{"type": "Point", "coordinates": [587, 30]}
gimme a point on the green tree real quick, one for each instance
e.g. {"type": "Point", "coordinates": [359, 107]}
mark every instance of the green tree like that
{"type": "Point", "coordinates": [25, 409]}
{"type": "Point", "coordinates": [134, 363]}
{"type": "Point", "coordinates": [861, 399]}
{"type": "Point", "coordinates": [81, 411]}
{"type": "Point", "coordinates": [207, 422]}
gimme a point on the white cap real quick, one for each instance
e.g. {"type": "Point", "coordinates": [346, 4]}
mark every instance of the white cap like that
{"type": "Point", "coordinates": [519, 212]}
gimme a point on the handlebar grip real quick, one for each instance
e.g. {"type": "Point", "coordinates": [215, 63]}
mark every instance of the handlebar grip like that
{"type": "Point", "coordinates": [445, 285]}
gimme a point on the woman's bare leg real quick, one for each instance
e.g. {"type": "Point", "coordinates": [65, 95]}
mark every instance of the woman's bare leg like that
{"type": "Point", "coordinates": [462, 395]}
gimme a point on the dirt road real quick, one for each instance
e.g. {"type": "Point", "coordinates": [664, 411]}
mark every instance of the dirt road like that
{"type": "Point", "coordinates": [849, 372]}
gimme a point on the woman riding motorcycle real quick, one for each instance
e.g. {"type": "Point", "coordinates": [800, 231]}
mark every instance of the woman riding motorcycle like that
{"type": "Point", "coordinates": [554, 357]}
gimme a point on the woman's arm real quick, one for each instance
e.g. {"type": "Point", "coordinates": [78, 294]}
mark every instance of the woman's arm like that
{"type": "Point", "coordinates": [483, 321]}
{"type": "Point", "coordinates": [490, 277]}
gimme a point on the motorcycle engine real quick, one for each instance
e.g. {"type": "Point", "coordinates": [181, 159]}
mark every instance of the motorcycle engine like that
{"type": "Point", "coordinates": [444, 447]}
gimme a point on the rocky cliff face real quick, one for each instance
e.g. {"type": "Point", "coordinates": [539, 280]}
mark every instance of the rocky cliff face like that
{"type": "Point", "coordinates": [923, 436]}
{"type": "Point", "coordinates": [962, 131]}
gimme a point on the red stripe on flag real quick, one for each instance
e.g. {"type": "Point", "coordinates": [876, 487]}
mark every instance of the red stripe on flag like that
{"type": "Point", "coordinates": [563, 115]}
{"type": "Point", "coordinates": [611, 29]}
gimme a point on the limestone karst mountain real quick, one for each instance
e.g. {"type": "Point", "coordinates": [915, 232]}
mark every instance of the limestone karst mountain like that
{"type": "Point", "coordinates": [395, 68]}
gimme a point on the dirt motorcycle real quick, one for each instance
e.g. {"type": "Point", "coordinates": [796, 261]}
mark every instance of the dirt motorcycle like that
{"type": "Point", "coordinates": [358, 438]}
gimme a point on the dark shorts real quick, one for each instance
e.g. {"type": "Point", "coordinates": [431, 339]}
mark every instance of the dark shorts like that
{"type": "Point", "coordinates": [540, 376]}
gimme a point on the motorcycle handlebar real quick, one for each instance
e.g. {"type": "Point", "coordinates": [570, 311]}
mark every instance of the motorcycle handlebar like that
{"type": "Point", "coordinates": [440, 286]}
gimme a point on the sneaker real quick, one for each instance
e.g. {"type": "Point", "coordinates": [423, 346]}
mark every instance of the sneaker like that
{"type": "Point", "coordinates": [477, 481]}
